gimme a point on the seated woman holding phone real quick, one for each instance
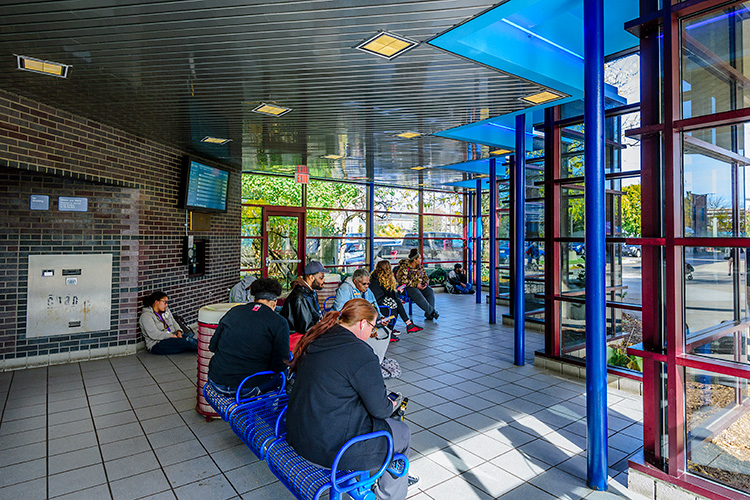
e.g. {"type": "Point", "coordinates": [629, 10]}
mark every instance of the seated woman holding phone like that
{"type": "Point", "coordinates": [339, 393]}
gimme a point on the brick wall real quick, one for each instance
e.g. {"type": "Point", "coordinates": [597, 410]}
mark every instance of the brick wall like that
{"type": "Point", "coordinates": [132, 188]}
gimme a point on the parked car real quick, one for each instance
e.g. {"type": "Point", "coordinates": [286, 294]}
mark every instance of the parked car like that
{"type": "Point", "coordinates": [631, 250]}
{"type": "Point", "coordinates": [437, 246]}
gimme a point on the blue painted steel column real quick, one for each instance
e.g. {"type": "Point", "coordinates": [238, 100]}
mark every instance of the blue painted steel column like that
{"type": "Point", "coordinates": [492, 221]}
{"type": "Point", "coordinates": [371, 225]}
{"type": "Point", "coordinates": [519, 224]}
{"type": "Point", "coordinates": [470, 236]}
{"type": "Point", "coordinates": [596, 359]}
{"type": "Point", "coordinates": [478, 244]}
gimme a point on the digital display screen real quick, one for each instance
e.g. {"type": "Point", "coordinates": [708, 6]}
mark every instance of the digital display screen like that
{"type": "Point", "coordinates": [206, 187]}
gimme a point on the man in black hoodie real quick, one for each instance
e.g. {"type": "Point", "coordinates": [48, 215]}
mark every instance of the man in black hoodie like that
{"type": "Point", "coordinates": [301, 309]}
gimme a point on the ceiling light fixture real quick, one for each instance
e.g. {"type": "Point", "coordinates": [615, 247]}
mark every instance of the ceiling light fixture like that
{"type": "Point", "coordinates": [408, 135]}
{"type": "Point", "coordinates": [388, 45]}
{"type": "Point", "coordinates": [271, 109]}
{"type": "Point", "coordinates": [43, 67]}
{"type": "Point", "coordinates": [419, 168]}
{"type": "Point", "coordinates": [215, 140]}
{"type": "Point", "coordinates": [481, 176]}
{"type": "Point", "coordinates": [542, 97]}
{"type": "Point", "coordinates": [500, 152]}
{"type": "Point", "coordinates": [333, 157]}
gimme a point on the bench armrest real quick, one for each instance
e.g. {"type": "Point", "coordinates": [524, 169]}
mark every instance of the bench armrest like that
{"type": "Point", "coordinates": [399, 471]}
{"type": "Point", "coordinates": [364, 437]}
{"type": "Point", "coordinates": [239, 387]}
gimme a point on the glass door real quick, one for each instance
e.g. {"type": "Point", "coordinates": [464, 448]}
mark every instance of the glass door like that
{"type": "Point", "coordinates": [283, 244]}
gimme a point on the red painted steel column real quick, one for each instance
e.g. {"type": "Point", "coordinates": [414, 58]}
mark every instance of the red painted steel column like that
{"type": "Point", "coordinates": [651, 227]}
{"type": "Point", "coordinates": [672, 252]}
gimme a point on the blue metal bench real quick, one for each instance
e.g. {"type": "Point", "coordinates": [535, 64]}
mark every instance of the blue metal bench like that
{"type": "Point", "coordinates": [307, 481]}
{"type": "Point", "coordinates": [260, 423]}
{"type": "Point", "coordinates": [225, 404]}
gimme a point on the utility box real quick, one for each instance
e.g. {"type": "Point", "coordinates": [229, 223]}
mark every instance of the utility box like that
{"type": "Point", "coordinates": [69, 294]}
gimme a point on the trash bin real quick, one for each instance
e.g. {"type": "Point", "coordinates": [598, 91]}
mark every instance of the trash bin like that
{"type": "Point", "coordinates": [208, 320]}
{"type": "Point", "coordinates": [330, 285]}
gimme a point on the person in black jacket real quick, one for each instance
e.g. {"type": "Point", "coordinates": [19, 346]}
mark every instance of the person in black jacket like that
{"type": "Point", "coordinates": [250, 338]}
{"type": "Point", "coordinates": [301, 309]}
{"type": "Point", "coordinates": [339, 393]}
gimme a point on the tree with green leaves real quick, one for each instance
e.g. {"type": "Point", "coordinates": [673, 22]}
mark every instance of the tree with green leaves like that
{"type": "Point", "coordinates": [631, 210]}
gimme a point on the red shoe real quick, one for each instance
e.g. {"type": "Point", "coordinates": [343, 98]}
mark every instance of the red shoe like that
{"type": "Point", "coordinates": [414, 328]}
{"type": "Point", "coordinates": [395, 339]}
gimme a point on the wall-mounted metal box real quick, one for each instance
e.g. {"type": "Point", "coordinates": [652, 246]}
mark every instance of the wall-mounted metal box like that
{"type": "Point", "coordinates": [68, 294]}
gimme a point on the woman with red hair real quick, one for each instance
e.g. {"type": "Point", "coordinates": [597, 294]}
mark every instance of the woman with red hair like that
{"type": "Point", "coordinates": [339, 393]}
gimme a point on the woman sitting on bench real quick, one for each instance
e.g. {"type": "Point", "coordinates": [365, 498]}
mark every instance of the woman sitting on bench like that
{"type": "Point", "coordinates": [339, 393]}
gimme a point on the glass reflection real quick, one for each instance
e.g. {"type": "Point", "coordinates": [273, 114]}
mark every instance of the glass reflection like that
{"type": "Point", "coordinates": [718, 427]}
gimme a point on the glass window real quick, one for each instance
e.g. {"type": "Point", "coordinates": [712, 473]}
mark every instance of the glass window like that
{"type": "Point", "coordinates": [251, 253]}
{"type": "Point", "coordinates": [335, 223]}
{"type": "Point", "coordinates": [572, 216]}
{"type": "Point", "coordinates": [710, 300]}
{"type": "Point", "coordinates": [716, 407]}
{"type": "Point", "coordinates": [714, 73]}
{"type": "Point", "coordinates": [715, 183]}
{"type": "Point", "coordinates": [251, 221]}
{"type": "Point", "coordinates": [339, 195]}
{"type": "Point", "coordinates": [337, 252]}
{"type": "Point", "coordinates": [443, 224]}
{"type": "Point", "coordinates": [271, 190]}
{"type": "Point", "coordinates": [391, 199]}
{"type": "Point", "coordinates": [443, 203]}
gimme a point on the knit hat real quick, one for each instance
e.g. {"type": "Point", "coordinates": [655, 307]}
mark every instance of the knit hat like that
{"type": "Point", "coordinates": [414, 254]}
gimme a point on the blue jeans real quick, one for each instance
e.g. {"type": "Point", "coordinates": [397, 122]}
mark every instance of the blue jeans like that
{"type": "Point", "coordinates": [248, 390]}
{"type": "Point", "coordinates": [464, 287]}
{"type": "Point", "coordinates": [175, 345]}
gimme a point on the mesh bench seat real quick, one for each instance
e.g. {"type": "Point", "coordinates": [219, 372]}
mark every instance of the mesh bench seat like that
{"type": "Point", "coordinates": [257, 422]}
{"type": "Point", "coordinates": [307, 481]}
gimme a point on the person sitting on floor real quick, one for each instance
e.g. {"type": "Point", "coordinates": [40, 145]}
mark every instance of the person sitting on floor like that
{"type": "Point", "coordinates": [410, 272]}
{"type": "Point", "coordinates": [383, 286]}
{"type": "Point", "coordinates": [457, 281]}
{"type": "Point", "coordinates": [339, 394]}
{"type": "Point", "coordinates": [250, 338]}
{"type": "Point", "coordinates": [301, 309]}
{"type": "Point", "coordinates": [241, 291]}
{"type": "Point", "coordinates": [160, 330]}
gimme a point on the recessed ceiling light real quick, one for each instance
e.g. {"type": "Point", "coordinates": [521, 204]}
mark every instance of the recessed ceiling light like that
{"type": "Point", "coordinates": [388, 45]}
{"type": "Point", "coordinates": [271, 109]}
{"type": "Point", "coordinates": [333, 157]}
{"type": "Point", "coordinates": [481, 176]}
{"type": "Point", "coordinates": [215, 140]}
{"type": "Point", "coordinates": [419, 168]}
{"type": "Point", "coordinates": [541, 97]}
{"type": "Point", "coordinates": [500, 152]}
{"type": "Point", "coordinates": [44, 67]}
{"type": "Point", "coordinates": [408, 135]}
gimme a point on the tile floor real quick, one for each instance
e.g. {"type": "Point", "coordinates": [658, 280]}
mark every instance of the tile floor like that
{"type": "Point", "coordinates": [126, 428]}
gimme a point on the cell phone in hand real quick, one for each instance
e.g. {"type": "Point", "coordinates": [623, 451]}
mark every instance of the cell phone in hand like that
{"type": "Point", "coordinates": [393, 396]}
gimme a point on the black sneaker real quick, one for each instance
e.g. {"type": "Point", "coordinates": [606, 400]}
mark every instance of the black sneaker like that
{"type": "Point", "coordinates": [413, 480]}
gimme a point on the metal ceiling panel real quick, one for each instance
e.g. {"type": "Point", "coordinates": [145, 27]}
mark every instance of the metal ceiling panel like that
{"type": "Point", "coordinates": [178, 71]}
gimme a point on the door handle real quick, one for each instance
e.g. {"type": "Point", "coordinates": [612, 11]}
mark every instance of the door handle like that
{"type": "Point", "coordinates": [283, 261]}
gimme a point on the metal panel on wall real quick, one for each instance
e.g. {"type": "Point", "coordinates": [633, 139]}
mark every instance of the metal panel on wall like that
{"type": "Point", "coordinates": [68, 294]}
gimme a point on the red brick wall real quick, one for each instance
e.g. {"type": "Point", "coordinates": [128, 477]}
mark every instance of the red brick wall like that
{"type": "Point", "coordinates": [132, 187]}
